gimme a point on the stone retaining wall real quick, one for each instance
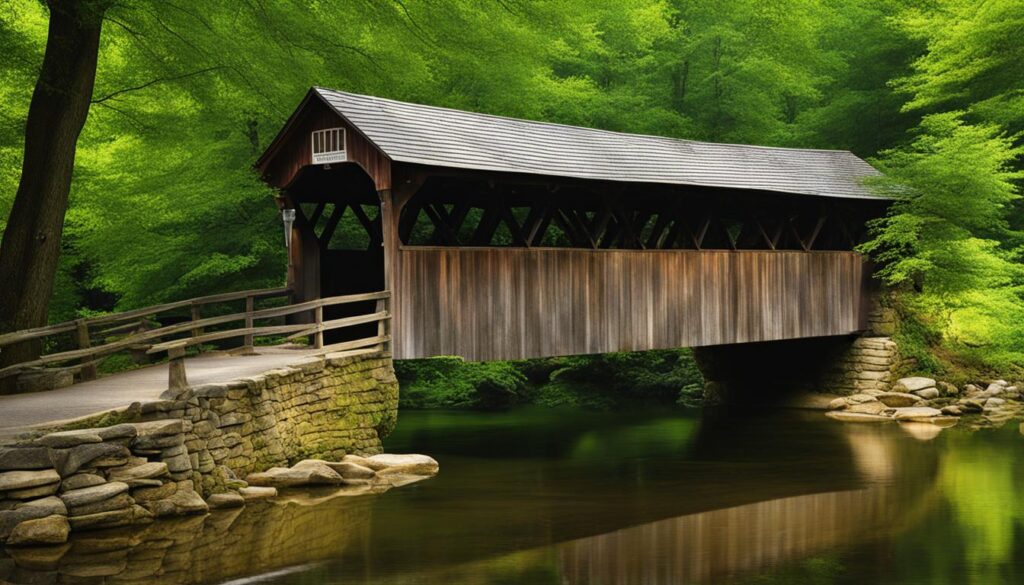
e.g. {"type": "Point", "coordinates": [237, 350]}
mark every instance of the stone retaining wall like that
{"type": "Point", "coordinates": [161, 457]}
{"type": "Point", "coordinates": [868, 363]}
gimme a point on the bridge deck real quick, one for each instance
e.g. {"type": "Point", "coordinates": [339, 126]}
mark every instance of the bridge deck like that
{"type": "Point", "coordinates": [20, 411]}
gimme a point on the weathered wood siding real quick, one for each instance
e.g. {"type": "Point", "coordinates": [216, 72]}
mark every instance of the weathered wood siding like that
{"type": "Point", "coordinates": [294, 150]}
{"type": "Point", "coordinates": [508, 303]}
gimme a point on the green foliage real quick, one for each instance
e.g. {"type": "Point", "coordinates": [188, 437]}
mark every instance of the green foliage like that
{"type": "Point", "coordinates": [598, 382]}
{"type": "Point", "coordinates": [164, 204]}
{"type": "Point", "coordinates": [451, 382]}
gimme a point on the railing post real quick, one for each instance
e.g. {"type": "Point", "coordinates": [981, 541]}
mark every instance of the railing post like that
{"type": "Point", "coordinates": [383, 325]}
{"type": "Point", "coordinates": [318, 338]}
{"type": "Point", "coordinates": [176, 369]}
{"type": "Point", "coordinates": [250, 305]}
{"type": "Point", "coordinates": [197, 315]}
{"type": "Point", "coordinates": [88, 370]}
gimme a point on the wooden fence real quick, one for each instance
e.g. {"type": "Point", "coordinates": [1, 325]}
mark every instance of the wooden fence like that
{"type": "Point", "coordinates": [140, 332]}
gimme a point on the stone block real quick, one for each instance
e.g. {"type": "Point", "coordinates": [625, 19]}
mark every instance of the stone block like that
{"type": "Point", "coordinates": [51, 529]}
{"type": "Point", "coordinates": [19, 480]}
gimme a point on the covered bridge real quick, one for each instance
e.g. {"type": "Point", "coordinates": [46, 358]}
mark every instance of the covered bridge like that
{"type": "Point", "coordinates": [502, 238]}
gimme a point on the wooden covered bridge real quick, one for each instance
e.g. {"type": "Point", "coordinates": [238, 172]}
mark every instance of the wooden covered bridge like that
{"type": "Point", "coordinates": [431, 231]}
{"type": "Point", "coordinates": [502, 238]}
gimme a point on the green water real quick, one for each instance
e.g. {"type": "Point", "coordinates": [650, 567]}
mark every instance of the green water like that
{"type": "Point", "coordinates": [543, 497]}
{"type": "Point", "coordinates": [563, 498]}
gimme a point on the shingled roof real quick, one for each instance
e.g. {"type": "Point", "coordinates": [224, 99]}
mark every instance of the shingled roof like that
{"type": "Point", "coordinates": [429, 135]}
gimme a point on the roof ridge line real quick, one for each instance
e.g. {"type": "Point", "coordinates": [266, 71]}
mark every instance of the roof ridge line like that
{"type": "Point", "coordinates": [589, 128]}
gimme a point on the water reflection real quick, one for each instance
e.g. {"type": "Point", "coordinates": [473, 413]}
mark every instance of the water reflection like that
{"type": "Point", "coordinates": [539, 497]}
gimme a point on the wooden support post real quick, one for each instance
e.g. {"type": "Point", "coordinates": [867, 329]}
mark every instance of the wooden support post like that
{"type": "Point", "coordinates": [382, 326]}
{"type": "Point", "coordinates": [88, 371]}
{"type": "Point", "coordinates": [176, 369]}
{"type": "Point", "coordinates": [250, 305]}
{"type": "Point", "coordinates": [318, 338]}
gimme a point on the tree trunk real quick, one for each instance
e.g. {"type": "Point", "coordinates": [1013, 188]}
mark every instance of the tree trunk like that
{"type": "Point", "coordinates": [60, 104]}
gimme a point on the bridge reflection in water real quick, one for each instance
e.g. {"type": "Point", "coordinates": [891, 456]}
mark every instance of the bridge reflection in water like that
{"type": "Point", "coordinates": [378, 540]}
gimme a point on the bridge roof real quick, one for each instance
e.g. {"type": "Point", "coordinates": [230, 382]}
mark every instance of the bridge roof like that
{"type": "Point", "coordinates": [429, 135]}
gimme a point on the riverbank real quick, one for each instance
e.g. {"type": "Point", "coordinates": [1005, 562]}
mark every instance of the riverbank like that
{"type": "Point", "coordinates": [549, 497]}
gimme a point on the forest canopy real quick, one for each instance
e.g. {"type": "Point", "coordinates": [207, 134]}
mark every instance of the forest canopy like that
{"type": "Point", "coordinates": [165, 205]}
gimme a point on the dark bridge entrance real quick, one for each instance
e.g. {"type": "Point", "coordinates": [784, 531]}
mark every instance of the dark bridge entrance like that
{"type": "Point", "coordinates": [505, 239]}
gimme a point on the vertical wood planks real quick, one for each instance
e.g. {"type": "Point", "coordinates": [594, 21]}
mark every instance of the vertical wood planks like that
{"type": "Point", "coordinates": [514, 303]}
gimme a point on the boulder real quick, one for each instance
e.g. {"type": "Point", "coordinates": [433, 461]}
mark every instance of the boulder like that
{"type": "Point", "coordinates": [994, 402]}
{"type": "Point", "coordinates": [91, 495]}
{"type": "Point", "coordinates": [837, 404]}
{"type": "Point", "coordinates": [308, 472]}
{"type": "Point", "coordinates": [898, 399]}
{"type": "Point", "coordinates": [410, 463]}
{"type": "Point", "coordinates": [861, 397]}
{"type": "Point", "coordinates": [913, 384]}
{"type": "Point", "coordinates": [364, 461]}
{"type": "Point", "coordinates": [81, 480]}
{"type": "Point", "coordinates": [118, 502]}
{"type": "Point", "coordinates": [149, 494]}
{"type": "Point", "coordinates": [873, 407]}
{"type": "Point", "coordinates": [144, 471]}
{"type": "Point", "coordinates": [226, 500]}
{"type": "Point", "coordinates": [857, 417]}
{"type": "Point", "coordinates": [971, 405]}
{"type": "Point", "coordinates": [34, 492]}
{"type": "Point", "coordinates": [19, 480]}
{"type": "Point", "coordinates": [22, 458]}
{"type": "Point", "coordinates": [182, 503]}
{"type": "Point", "coordinates": [915, 412]}
{"type": "Point", "coordinates": [349, 470]}
{"type": "Point", "coordinates": [66, 439]}
{"type": "Point", "coordinates": [51, 504]}
{"type": "Point", "coordinates": [952, 410]}
{"type": "Point", "coordinates": [928, 393]}
{"type": "Point", "coordinates": [52, 529]}
{"type": "Point", "coordinates": [69, 461]}
{"type": "Point", "coordinates": [122, 517]}
{"type": "Point", "coordinates": [11, 518]}
{"type": "Point", "coordinates": [257, 493]}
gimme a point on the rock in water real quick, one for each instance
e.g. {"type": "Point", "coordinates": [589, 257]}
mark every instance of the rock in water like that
{"type": "Point", "coordinates": [257, 493]}
{"type": "Point", "coordinates": [842, 415]}
{"type": "Point", "coordinates": [916, 412]}
{"type": "Point", "coordinates": [410, 463]}
{"type": "Point", "coordinates": [350, 470]}
{"type": "Point", "coordinates": [873, 407]}
{"type": "Point", "coordinates": [227, 500]}
{"type": "Point", "coordinates": [52, 529]}
{"type": "Point", "coordinates": [913, 384]}
{"type": "Point", "coordinates": [898, 399]}
{"type": "Point", "coordinates": [182, 503]}
{"type": "Point", "coordinates": [309, 472]}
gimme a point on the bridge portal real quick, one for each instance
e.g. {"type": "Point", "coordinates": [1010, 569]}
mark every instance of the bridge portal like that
{"type": "Point", "coordinates": [506, 239]}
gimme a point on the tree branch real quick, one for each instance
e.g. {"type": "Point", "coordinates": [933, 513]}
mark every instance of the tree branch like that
{"type": "Point", "coordinates": [153, 82]}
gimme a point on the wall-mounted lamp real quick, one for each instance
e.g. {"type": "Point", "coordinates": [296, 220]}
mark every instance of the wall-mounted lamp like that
{"type": "Point", "coordinates": [288, 218]}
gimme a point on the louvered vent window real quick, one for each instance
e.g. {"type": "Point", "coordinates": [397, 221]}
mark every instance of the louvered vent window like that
{"type": "Point", "coordinates": [329, 146]}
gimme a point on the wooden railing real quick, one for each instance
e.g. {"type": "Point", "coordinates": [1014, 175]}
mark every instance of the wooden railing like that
{"type": "Point", "coordinates": [140, 332]}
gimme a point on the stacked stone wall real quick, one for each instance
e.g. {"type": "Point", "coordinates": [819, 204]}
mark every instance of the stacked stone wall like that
{"type": "Point", "coordinates": [157, 459]}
